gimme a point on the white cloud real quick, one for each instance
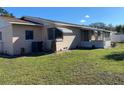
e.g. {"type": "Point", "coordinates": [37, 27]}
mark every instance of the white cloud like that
{"type": "Point", "coordinates": [87, 16]}
{"type": "Point", "coordinates": [82, 21]}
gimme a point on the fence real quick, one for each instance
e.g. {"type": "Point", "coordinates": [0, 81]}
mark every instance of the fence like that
{"type": "Point", "coordinates": [96, 44]}
{"type": "Point", "coordinates": [117, 38]}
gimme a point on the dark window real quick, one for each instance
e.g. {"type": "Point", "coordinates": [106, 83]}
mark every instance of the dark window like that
{"type": "Point", "coordinates": [29, 35]}
{"type": "Point", "coordinates": [54, 33]}
{"type": "Point", "coordinates": [107, 34]}
{"type": "Point", "coordinates": [51, 33]}
{"type": "Point", "coordinates": [99, 33]}
{"type": "Point", "coordinates": [58, 34]}
{"type": "Point", "coordinates": [0, 35]}
{"type": "Point", "coordinates": [85, 35]}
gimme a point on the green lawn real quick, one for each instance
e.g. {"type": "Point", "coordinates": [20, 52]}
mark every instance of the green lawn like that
{"type": "Point", "coordinates": [99, 66]}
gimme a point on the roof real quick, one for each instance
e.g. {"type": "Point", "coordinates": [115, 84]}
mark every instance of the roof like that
{"type": "Point", "coordinates": [40, 20]}
{"type": "Point", "coordinates": [96, 29]}
{"type": "Point", "coordinates": [50, 21]}
{"type": "Point", "coordinates": [65, 30]}
{"type": "Point", "coordinates": [14, 20]}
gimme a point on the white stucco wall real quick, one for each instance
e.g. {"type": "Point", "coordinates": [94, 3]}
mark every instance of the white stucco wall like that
{"type": "Point", "coordinates": [6, 42]}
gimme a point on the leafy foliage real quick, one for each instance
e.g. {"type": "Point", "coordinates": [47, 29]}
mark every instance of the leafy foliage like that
{"type": "Point", "coordinates": [103, 26]}
{"type": "Point", "coordinates": [120, 29]}
{"type": "Point", "coordinates": [3, 12]}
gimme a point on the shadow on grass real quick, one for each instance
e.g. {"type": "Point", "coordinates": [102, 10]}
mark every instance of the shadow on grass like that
{"type": "Point", "coordinates": [26, 55]}
{"type": "Point", "coordinates": [117, 56]}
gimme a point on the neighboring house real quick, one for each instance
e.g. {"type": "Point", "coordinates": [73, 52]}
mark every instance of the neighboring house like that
{"type": "Point", "coordinates": [33, 34]}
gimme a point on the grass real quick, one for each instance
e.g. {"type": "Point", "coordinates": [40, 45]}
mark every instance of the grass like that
{"type": "Point", "coordinates": [99, 66]}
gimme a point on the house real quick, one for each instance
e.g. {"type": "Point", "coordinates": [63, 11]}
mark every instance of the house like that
{"type": "Point", "coordinates": [34, 34]}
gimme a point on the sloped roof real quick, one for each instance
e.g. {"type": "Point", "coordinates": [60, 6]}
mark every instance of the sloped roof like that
{"type": "Point", "coordinates": [48, 20]}
{"type": "Point", "coordinates": [14, 20]}
{"type": "Point", "coordinates": [40, 20]}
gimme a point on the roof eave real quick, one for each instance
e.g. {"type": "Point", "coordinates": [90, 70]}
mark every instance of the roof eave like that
{"type": "Point", "coordinates": [20, 23]}
{"type": "Point", "coordinates": [82, 27]}
{"type": "Point", "coordinates": [59, 23]}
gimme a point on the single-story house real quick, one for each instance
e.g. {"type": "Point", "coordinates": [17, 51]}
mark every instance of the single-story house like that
{"type": "Point", "coordinates": [34, 34]}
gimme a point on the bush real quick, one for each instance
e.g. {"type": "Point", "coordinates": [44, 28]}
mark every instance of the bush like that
{"type": "Point", "coordinates": [113, 44]}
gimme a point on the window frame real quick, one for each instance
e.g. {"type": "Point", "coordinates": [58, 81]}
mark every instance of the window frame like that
{"type": "Point", "coordinates": [28, 39]}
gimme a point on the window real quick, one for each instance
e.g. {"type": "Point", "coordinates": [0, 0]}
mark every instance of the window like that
{"type": "Point", "coordinates": [29, 35]}
{"type": "Point", "coordinates": [54, 33]}
{"type": "Point", "coordinates": [99, 33]}
{"type": "Point", "coordinates": [58, 34]}
{"type": "Point", "coordinates": [85, 35]}
{"type": "Point", "coordinates": [107, 34]}
{"type": "Point", "coordinates": [0, 35]}
{"type": "Point", "coordinates": [51, 34]}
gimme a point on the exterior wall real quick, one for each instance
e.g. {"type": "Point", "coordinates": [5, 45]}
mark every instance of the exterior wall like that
{"type": "Point", "coordinates": [107, 44]}
{"type": "Point", "coordinates": [6, 46]}
{"type": "Point", "coordinates": [69, 41]}
{"type": "Point", "coordinates": [47, 43]}
{"type": "Point", "coordinates": [66, 43]}
{"type": "Point", "coordinates": [19, 37]}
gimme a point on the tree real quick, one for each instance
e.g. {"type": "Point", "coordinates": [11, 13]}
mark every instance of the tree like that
{"type": "Point", "coordinates": [3, 12]}
{"type": "Point", "coordinates": [110, 27]}
{"type": "Point", "coordinates": [122, 29]}
{"type": "Point", "coordinates": [98, 25]}
{"type": "Point", "coordinates": [119, 28]}
{"type": "Point", "coordinates": [103, 26]}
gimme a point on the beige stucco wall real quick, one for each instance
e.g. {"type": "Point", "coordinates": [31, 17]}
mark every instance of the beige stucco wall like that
{"type": "Point", "coordinates": [6, 42]}
{"type": "Point", "coordinates": [70, 41]}
{"type": "Point", "coordinates": [19, 37]}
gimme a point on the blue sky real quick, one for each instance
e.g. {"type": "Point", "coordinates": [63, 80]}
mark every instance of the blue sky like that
{"type": "Point", "coordinates": [82, 15]}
